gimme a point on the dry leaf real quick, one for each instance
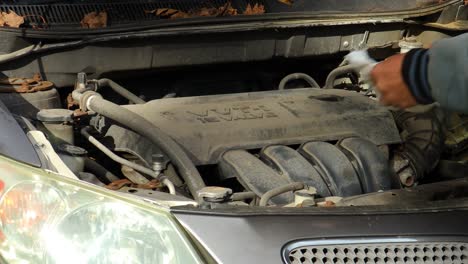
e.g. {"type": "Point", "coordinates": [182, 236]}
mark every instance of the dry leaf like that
{"type": "Point", "coordinates": [180, 15]}
{"type": "Point", "coordinates": [227, 10]}
{"type": "Point", "coordinates": [286, 2]}
{"type": "Point", "coordinates": [203, 12]}
{"type": "Point", "coordinates": [94, 20]}
{"type": "Point", "coordinates": [24, 85]}
{"type": "Point", "coordinates": [11, 19]}
{"type": "Point", "coordinates": [257, 9]}
{"type": "Point", "coordinates": [168, 13]}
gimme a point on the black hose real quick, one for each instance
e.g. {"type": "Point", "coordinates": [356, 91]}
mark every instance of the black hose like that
{"type": "Point", "coordinates": [143, 127]}
{"type": "Point", "coordinates": [121, 91]}
{"type": "Point", "coordinates": [101, 173]}
{"type": "Point", "coordinates": [266, 197]}
{"type": "Point", "coordinates": [298, 76]}
{"type": "Point", "coordinates": [329, 83]}
{"type": "Point", "coordinates": [241, 196]}
{"type": "Point", "coordinates": [423, 140]}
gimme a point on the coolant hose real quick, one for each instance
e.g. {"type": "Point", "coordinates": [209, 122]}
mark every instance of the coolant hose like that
{"type": "Point", "coordinates": [241, 196]}
{"type": "Point", "coordinates": [134, 122]}
{"type": "Point", "coordinates": [329, 83]}
{"type": "Point", "coordinates": [298, 76]}
{"type": "Point", "coordinates": [101, 173]}
{"type": "Point", "coordinates": [121, 91]}
{"type": "Point", "coordinates": [170, 185]}
{"type": "Point", "coordinates": [266, 197]}
{"type": "Point", "coordinates": [423, 143]}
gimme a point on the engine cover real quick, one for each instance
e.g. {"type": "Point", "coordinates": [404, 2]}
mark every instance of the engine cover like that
{"type": "Point", "coordinates": [208, 126]}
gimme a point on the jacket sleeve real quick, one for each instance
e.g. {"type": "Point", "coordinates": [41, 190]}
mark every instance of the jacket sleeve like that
{"type": "Point", "coordinates": [440, 74]}
{"type": "Point", "coordinates": [448, 72]}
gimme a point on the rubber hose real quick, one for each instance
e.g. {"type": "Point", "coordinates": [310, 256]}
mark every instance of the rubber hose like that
{"type": "Point", "coordinates": [107, 177]}
{"type": "Point", "coordinates": [329, 83]}
{"type": "Point", "coordinates": [423, 140]}
{"type": "Point", "coordinates": [121, 91]}
{"type": "Point", "coordinates": [143, 127]}
{"type": "Point", "coordinates": [295, 186]}
{"type": "Point", "coordinates": [170, 186]}
{"type": "Point", "coordinates": [115, 157]}
{"type": "Point", "coordinates": [102, 173]}
{"type": "Point", "coordinates": [241, 196]}
{"type": "Point", "coordinates": [298, 76]}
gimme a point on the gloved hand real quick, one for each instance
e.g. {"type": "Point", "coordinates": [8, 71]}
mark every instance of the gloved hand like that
{"type": "Point", "coordinates": [361, 59]}
{"type": "Point", "coordinates": [388, 80]}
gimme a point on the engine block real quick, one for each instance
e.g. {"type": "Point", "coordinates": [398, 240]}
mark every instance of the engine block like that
{"type": "Point", "coordinates": [208, 126]}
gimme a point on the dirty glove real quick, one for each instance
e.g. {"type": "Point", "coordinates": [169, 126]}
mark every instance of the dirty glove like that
{"type": "Point", "coordinates": [365, 64]}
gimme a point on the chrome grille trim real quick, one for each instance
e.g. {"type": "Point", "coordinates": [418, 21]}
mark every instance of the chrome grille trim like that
{"type": "Point", "coordinates": [378, 250]}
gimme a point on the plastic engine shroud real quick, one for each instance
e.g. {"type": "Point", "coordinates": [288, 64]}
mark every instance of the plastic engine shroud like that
{"type": "Point", "coordinates": [208, 126]}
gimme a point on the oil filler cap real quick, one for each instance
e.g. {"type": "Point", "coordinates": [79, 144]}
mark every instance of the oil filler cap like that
{"type": "Point", "coordinates": [214, 194]}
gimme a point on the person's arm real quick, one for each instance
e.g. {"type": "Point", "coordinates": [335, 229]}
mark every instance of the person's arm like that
{"type": "Point", "coordinates": [423, 76]}
{"type": "Point", "coordinates": [448, 72]}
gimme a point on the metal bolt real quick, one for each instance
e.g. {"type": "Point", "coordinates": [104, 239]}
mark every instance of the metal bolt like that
{"type": "Point", "coordinates": [81, 81]}
{"type": "Point", "coordinates": [346, 44]}
{"type": "Point", "coordinates": [40, 145]}
{"type": "Point", "coordinates": [159, 162]}
{"type": "Point", "coordinates": [364, 40]}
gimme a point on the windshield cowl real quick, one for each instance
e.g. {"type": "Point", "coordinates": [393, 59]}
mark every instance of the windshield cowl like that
{"type": "Point", "coordinates": [55, 15]}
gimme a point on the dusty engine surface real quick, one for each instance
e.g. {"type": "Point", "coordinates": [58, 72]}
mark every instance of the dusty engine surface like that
{"type": "Point", "coordinates": [208, 126]}
{"type": "Point", "coordinates": [351, 167]}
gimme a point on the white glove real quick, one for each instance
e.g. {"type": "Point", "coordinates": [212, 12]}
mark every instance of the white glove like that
{"type": "Point", "coordinates": [361, 59]}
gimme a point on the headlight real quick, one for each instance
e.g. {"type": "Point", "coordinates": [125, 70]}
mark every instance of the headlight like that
{"type": "Point", "coordinates": [46, 218]}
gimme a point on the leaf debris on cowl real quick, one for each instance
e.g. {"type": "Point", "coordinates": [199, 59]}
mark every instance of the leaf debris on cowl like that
{"type": "Point", "coordinates": [170, 13]}
{"type": "Point", "coordinates": [11, 19]}
{"type": "Point", "coordinates": [256, 9]}
{"type": "Point", "coordinates": [94, 20]}
{"type": "Point", "coordinates": [286, 2]}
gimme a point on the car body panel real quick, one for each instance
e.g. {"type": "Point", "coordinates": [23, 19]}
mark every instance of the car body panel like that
{"type": "Point", "coordinates": [13, 141]}
{"type": "Point", "coordinates": [261, 238]}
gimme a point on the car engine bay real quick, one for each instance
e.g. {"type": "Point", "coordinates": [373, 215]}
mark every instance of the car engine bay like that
{"type": "Point", "coordinates": [297, 147]}
{"type": "Point", "coordinates": [299, 131]}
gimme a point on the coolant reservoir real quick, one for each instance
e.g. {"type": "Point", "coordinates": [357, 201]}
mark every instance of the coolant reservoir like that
{"type": "Point", "coordinates": [73, 156]}
{"type": "Point", "coordinates": [58, 124]}
{"type": "Point", "coordinates": [26, 96]}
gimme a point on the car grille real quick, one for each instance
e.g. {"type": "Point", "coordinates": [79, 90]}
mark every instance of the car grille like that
{"type": "Point", "coordinates": [409, 252]}
{"type": "Point", "coordinates": [119, 12]}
